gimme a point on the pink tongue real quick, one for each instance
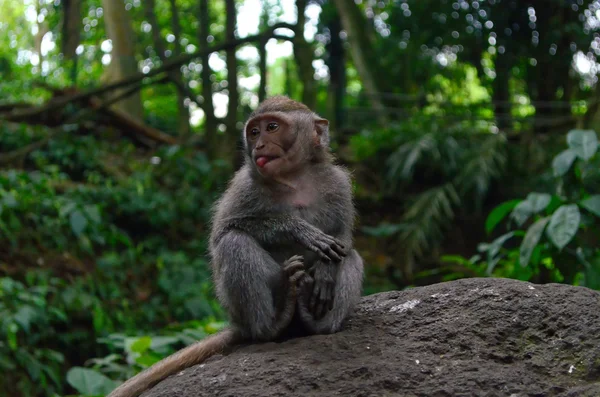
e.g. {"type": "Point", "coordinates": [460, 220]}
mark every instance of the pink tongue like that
{"type": "Point", "coordinates": [261, 161]}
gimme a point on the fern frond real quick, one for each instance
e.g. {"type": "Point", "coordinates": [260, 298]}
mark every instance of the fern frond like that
{"type": "Point", "coordinates": [425, 220]}
{"type": "Point", "coordinates": [404, 159]}
{"type": "Point", "coordinates": [485, 163]}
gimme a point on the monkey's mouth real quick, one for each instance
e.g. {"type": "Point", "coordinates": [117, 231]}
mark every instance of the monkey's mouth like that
{"type": "Point", "coordinates": [261, 161]}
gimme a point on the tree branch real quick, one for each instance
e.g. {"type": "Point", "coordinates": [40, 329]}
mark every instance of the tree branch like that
{"type": "Point", "coordinates": [138, 77]}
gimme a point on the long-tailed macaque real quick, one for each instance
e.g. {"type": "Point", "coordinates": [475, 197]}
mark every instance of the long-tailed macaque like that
{"type": "Point", "coordinates": [281, 240]}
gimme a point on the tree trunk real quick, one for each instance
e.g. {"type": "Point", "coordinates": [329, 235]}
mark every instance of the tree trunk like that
{"type": "Point", "coordinates": [336, 62]}
{"type": "Point", "coordinates": [123, 63]}
{"type": "Point", "coordinates": [262, 52]}
{"type": "Point", "coordinates": [288, 79]}
{"type": "Point", "coordinates": [175, 75]}
{"type": "Point", "coordinates": [183, 111]}
{"type": "Point", "coordinates": [42, 30]}
{"type": "Point", "coordinates": [229, 145]}
{"type": "Point", "coordinates": [361, 41]}
{"type": "Point", "coordinates": [262, 66]}
{"type": "Point", "coordinates": [210, 121]}
{"type": "Point", "coordinates": [501, 93]}
{"type": "Point", "coordinates": [71, 34]}
{"type": "Point", "coordinates": [303, 54]}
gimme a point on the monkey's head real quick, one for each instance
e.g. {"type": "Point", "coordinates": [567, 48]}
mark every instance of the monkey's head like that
{"type": "Point", "coordinates": [282, 135]}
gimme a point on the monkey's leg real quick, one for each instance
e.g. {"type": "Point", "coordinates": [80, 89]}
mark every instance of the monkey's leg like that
{"type": "Point", "coordinates": [251, 285]}
{"type": "Point", "coordinates": [348, 289]}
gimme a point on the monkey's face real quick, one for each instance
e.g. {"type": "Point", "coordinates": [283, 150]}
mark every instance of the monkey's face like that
{"type": "Point", "coordinates": [273, 145]}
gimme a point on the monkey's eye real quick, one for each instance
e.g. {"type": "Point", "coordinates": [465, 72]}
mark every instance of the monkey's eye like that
{"type": "Point", "coordinates": [254, 132]}
{"type": "Point", "coordinates": [272, 127]}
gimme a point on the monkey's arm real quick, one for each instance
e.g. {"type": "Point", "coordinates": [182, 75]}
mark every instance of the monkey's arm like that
{"type": "Point", "coordinates": [258, 292]}
{"type": "Point", "coordinates": [282, 227]}
{"type": "Point", "coordinates": [339, 214]}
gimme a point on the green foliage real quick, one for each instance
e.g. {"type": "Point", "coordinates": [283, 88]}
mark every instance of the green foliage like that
{"type": "Point", "coordinates": [97, 238]}
{"type": "Point", "coordinates": [89, 382]}
{"type": "Point", "coordinates": [559, 227]}
{"type": "Point", "coordinates": [32, 316]}
{"type": "Point", "coordinates": [456, 164]}
{"type": "Point", "coordinates": [137, 353]}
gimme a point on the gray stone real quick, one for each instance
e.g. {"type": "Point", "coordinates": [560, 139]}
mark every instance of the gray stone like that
{"type": "Point", "coordinates": [471, 337]}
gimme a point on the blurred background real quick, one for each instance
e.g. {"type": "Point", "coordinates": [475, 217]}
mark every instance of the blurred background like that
{"type": "Point", "coordinates": [469, 126]}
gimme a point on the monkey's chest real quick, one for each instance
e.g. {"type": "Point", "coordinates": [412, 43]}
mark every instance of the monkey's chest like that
{"type": "Point", "coordinates": [282, 251]}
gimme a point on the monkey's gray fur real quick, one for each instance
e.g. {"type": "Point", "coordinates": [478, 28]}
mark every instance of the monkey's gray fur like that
{"type": "Point", "coordinates": [282, 257]}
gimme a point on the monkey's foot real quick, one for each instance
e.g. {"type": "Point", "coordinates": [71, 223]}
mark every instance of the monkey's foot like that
{"type": "Point", "coordinates": [323, 289]}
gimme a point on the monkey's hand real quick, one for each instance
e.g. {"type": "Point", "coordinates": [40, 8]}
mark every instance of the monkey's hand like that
{"type": "Point", "coordinates": [327, 247]}
{"type": "Point", "coordinates": [294, 269]}
{"type": "Point", "coordinates": [323, 288]}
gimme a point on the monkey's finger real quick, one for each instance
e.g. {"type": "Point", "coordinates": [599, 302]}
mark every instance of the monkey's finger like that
{"type": "Point", "coordinates": [293, 260]}
{"type": "Point", "coordinates": [330, 296]}
{"type": "Point", "coordinates": [324, 256]}
{"type": "Point", "coordinates": [322, 304]}
{"type": "Point", "coordinates": [296, 258]}
{"type": "Point", "coordinates": [319, 312]}
{"type": "Point", "coordinates": [314, 296]}
{"type": "Point", "coordinates": [339, 249]}
{"type": "Point", "coordinates": [294, 278]}
{"type": "Point", "coordinates": [293, 268]}
{"type": "Point", "coordinates": [338, 242]}
{"type": "Point", "coordinates": [316, 310]}
{"type": "Point", "coordinates": [319, 251]}
{"type": "Point", "coordinates": [333, 255]}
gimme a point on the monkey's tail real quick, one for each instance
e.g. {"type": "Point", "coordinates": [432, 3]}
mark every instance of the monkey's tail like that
{"type": "Point", "coordinates": [185, 358]}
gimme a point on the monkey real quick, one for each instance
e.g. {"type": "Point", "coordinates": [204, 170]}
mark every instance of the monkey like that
{"type": "Point", "coordinates": [281, 240]}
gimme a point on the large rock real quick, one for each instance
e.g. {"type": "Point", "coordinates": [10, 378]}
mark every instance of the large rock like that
{"type": "Point", "coordinates": [472, 337]}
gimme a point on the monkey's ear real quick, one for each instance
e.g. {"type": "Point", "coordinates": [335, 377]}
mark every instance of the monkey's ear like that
{"type": "Point", "coordinates": [322, 129]}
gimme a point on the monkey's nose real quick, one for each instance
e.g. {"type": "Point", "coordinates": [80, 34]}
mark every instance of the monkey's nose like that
{"type": "Point", "coordinates": [260, 146]}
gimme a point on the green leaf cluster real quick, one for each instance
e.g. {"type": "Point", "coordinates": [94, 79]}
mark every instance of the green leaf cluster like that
{"type": "Point", "coordinates": [555, 227]}
{"type": "Point", "coordinates": [96, 237]}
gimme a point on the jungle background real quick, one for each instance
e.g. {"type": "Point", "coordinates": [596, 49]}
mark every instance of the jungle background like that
{"type": "Point", "coordinates": [469, 126]}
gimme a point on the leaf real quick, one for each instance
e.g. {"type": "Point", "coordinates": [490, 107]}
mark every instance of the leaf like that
{"type": "Point", "coordinates": [93, 213]}
{"type": "Point", "coordinates": [25, 316]}
{"type": "Point", "coordinates": [141, 344]}
{"type": "Point", "coordinates": [148, 359]}
{"type": "Point", "coordinates": [563, 225]}
{"type": "Point", "coordinates": [583, 142]}
{"type": "Point", "coordinates": [384, 229]}
{"type": "Point", "coordinates": [493, 249]}
{"type": "Point", "coordinates": [532, 237]}
{"type": "Point", "coordinates": [11, 335]}
{"type": "Point", "coordinates": [563, 161]}
{"type": "Point", "coordinates": [78, 222]}
{"type": "Point", "coordinates": [538, 201]}
{"type": "Point", "coordinates": [592, 204]}
{"type": "Point", "coordinates": [495, 246]}
{"type": "Point", "coordinates": [9, 200]}
{"type": "Point", "coordinates": [66, 208]}
{"type": "Point", "coordinates": [499, 213]}
{"type": "Point", "coordinates": [521, 212]}
{"type": "Point", "coordinates": [89, 382]}
{"type": "Point", "coordinates": [159, 342]}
